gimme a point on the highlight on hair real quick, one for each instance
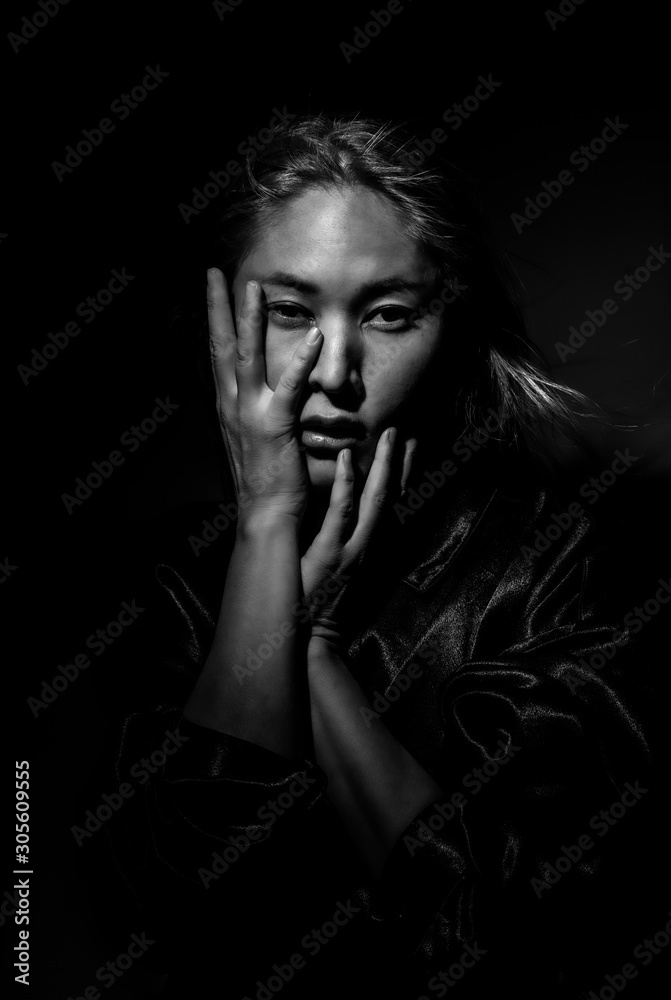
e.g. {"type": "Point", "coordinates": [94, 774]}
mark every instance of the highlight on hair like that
{"type": "Point", "coordinates": [441, 210]}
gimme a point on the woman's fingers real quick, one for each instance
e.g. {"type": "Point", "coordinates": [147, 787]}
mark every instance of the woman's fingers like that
{"type": "Point", "coordinates": [337, 546]}
{"type": "Point", "coordinates": [408, 455]}
{"type": "Point", "coordinates": [336, 526]}
{"type": "Point", "coordinates": [250, 366]}
{"type": "Point", "coordinates": [238, 359]}
{"type": "Point", "coordinates": [325, 553]}
{"type": "Point", "coordinates": [222, 332]}
{"type": "Point", "coordinates": [376, 491]}
{"type": "Point", "coordinates": [284, 404]}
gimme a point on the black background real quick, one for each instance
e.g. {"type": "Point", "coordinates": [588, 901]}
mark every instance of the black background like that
{"type": "Point", "coordinates": [119, 209]}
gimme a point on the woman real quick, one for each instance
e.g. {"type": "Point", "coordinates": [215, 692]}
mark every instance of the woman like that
{"type": "Point", "coordinates": [388, 735]}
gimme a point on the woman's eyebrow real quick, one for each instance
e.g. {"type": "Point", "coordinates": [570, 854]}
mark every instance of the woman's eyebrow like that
{"type": "Point", "coordinates": [392, 283]}
{"type": "Point", "coordinates": [286, 280]}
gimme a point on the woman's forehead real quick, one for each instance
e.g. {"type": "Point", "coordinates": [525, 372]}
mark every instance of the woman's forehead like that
{"type": "Point", "coordinates": [336, 233]}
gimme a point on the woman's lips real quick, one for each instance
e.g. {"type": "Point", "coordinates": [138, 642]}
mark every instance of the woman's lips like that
{"type": "Point", "coordinates": [331, 435]}
{"type": "Point", "coordinates": [330, 440]}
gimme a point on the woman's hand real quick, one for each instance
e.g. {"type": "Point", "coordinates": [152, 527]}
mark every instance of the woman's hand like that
{"type": "Point", "coordinates": [271, 480]}
{"type": "Point", "coordinates": [348, 526]}
{"type": "Point", "coordinates": [258, 425]}
{"type": "Point", "coordinates": [374, 784]}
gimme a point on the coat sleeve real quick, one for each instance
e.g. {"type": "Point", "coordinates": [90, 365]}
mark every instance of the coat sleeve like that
{"type": "Point", "coordinates": [207, 833]}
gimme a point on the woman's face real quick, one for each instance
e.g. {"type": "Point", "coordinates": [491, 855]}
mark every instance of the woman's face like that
{"type": "Point", "coordinates": [342, 260]}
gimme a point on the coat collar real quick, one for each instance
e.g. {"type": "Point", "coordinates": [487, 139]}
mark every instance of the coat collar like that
{"type": "Point", "coordinates": [440, 525]}
{"type": "Point", "coordinates": [461, 518]}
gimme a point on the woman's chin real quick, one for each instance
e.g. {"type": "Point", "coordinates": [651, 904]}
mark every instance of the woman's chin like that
{"type": "Point", "coordinates": [321, 464]}
{"type": "Point", "coordinates": [321, 469]}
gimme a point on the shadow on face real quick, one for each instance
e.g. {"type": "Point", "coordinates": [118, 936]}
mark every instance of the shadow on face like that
{"type": "Point", "coordinates": [341, 259]}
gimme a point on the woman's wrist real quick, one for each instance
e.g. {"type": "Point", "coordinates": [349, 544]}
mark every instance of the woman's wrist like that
{"type": "Point", "coordinates": [324, 651]}
{"type": "Point", "coordinates": [261, 522]}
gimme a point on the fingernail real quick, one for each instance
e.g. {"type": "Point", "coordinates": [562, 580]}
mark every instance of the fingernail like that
{"type": "Point", "coordinates": [391, 436]}
{"type": "Point", "coordinates": [251, 286]}
{"type": "Point", "coordinates": [313, 335]}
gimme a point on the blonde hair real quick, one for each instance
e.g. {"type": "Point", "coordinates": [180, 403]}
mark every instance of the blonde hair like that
{"type": "Point", "coordinates": [441, 210]}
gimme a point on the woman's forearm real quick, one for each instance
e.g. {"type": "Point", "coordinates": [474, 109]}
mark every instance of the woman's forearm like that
{"type": "Point", "coordinates": [251, 685]}
{"type": "Point", "coordinates": [375, 785]}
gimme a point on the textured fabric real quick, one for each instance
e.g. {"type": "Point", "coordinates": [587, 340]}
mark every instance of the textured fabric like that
{"type": "Point", "coordinates": [474, 648]}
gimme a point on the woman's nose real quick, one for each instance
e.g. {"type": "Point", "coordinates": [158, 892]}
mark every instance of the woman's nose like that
{"type": "Point", "coordinates": [338, 366]}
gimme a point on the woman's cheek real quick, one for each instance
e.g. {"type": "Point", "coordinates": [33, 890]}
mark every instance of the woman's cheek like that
{"type": "Point", "coordinates": [396, 368]}
{"type": "Point", "coordinates": [278, 356]}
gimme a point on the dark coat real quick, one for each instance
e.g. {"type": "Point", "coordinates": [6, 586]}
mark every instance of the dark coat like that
{"type": "Point", "coordinates": [509, 660]}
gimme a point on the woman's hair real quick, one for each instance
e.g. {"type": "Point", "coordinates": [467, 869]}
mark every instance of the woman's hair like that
{"type": "Point", "coordinates": [499, 367]}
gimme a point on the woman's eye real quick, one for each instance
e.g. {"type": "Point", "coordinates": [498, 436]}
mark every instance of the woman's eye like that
{"type": "Point", "coordinates": [393, 318]}
{"type": "Point", "coordinates": [288, 314]}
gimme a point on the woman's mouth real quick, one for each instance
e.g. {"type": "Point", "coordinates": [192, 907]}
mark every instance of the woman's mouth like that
{"type": "Point", "coordinates": [331, 434]}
